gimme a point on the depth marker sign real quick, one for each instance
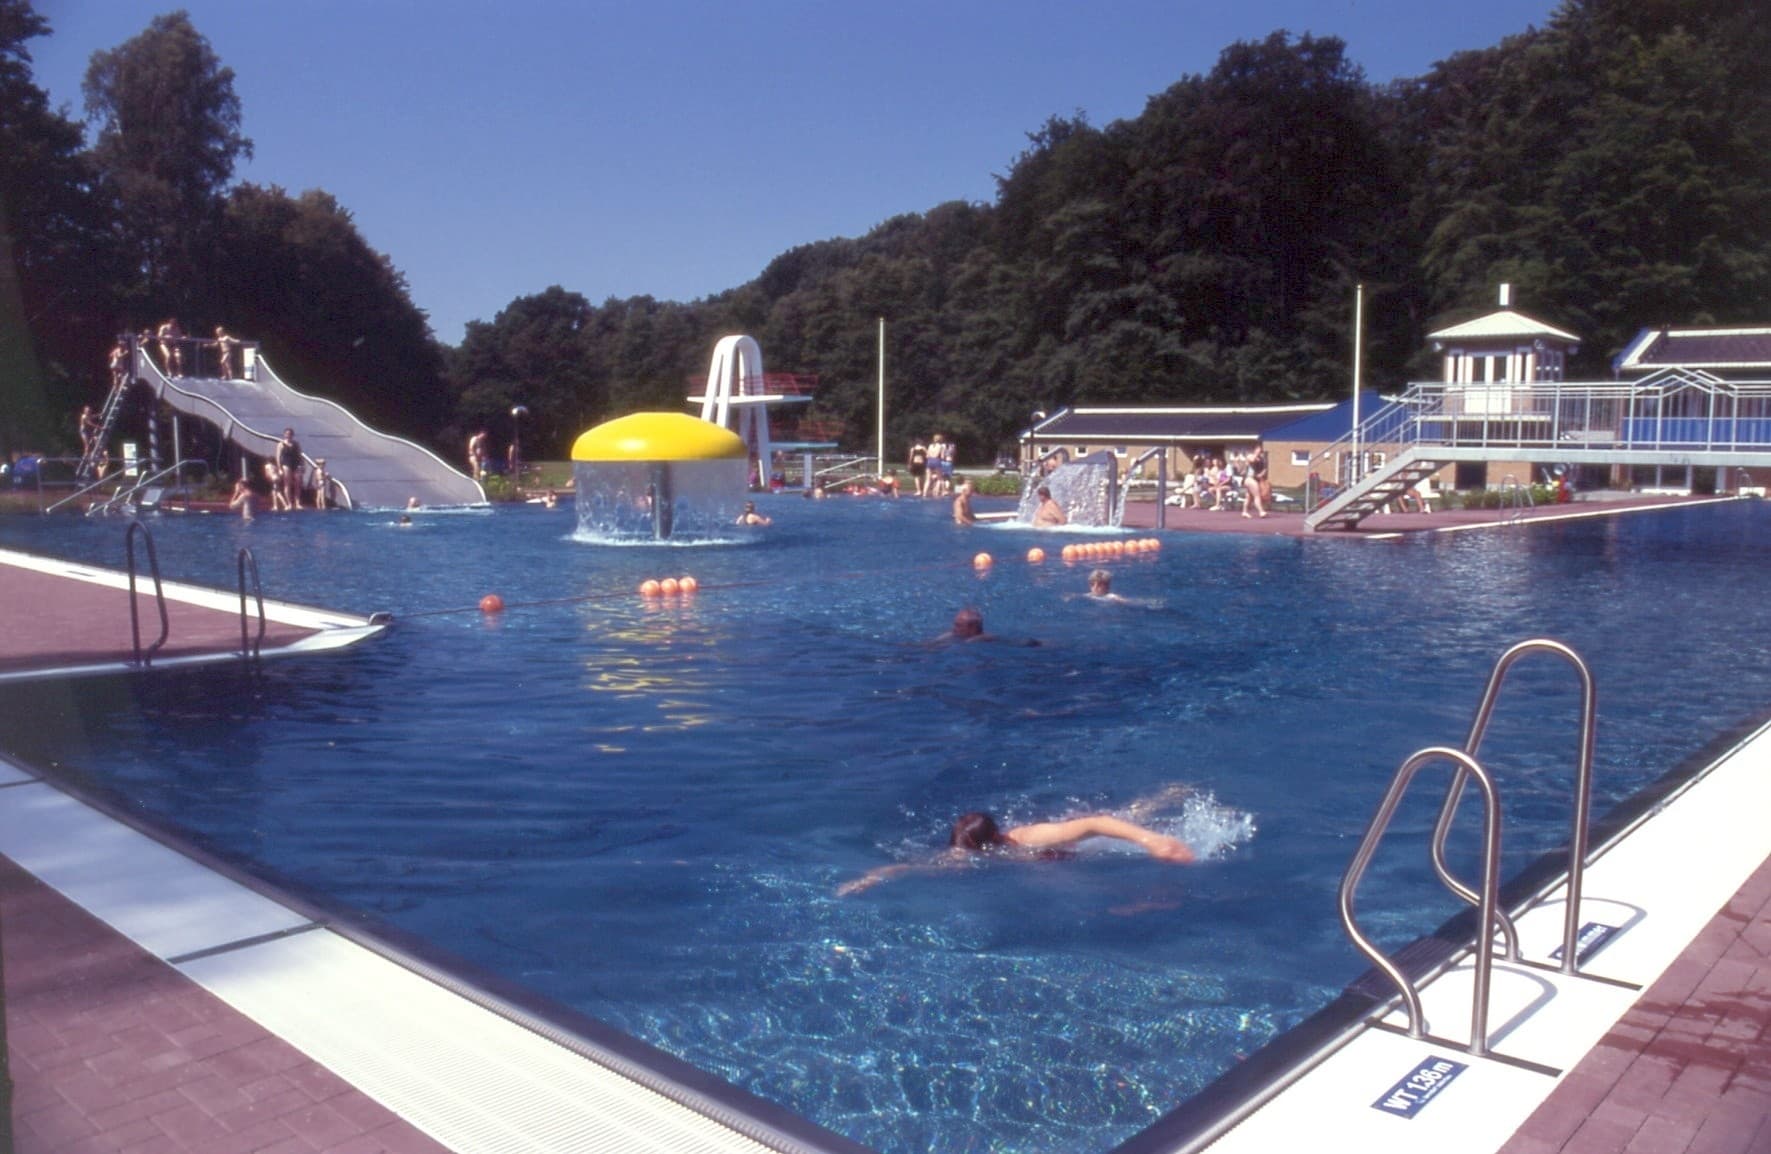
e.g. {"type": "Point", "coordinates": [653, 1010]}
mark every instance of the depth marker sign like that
{"type": "Point", "coordinates": [1410, 1096]}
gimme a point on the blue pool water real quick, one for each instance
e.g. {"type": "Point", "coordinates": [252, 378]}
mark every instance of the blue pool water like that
{"type": "Point", "coordinates": [643, 809]}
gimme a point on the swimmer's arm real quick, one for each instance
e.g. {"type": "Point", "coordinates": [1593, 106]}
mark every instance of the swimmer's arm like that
{"type": "Point", "coordinates": [883, 874]}
{"type": "Point", "coordinates": [886, 873]}
{"type": "Point", "coordinates": [1042, 835]}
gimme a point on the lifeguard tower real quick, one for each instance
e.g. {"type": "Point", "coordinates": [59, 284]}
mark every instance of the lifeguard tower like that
{"type": "Point", "coordinates": [739, 395]}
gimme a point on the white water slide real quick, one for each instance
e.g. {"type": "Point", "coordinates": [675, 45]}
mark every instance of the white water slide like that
{"type": "Point", "coordinates": [371, 470]}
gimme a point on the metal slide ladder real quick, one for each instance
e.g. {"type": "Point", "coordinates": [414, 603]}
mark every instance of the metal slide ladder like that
{"type": "Point", "coordinates": [1491, 920]}
{"type": "Point", "coordinates": [98, 449]}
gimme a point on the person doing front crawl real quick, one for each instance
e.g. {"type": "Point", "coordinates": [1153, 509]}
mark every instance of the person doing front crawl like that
{"type": "Point", "coordinates": [979, 833]}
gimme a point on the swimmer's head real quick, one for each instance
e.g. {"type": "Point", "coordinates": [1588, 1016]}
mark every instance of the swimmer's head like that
{"type": "Point", "coordinates": [1045, 494]}
{"type": "Point", "coordinates": [968, 622]}
{"type": "Point", "coordinates": [975, 831]}
{"type": "Point", "coordinates": [1100, 581]}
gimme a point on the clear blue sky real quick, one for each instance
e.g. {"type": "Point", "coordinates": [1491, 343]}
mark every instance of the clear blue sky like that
{"type": "Point", "coordinates": [674, 147]}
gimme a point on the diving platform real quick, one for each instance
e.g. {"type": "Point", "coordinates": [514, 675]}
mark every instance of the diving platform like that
{"type": "Point", "coordinates": [1676, 418]}
{"type": "Point", "coordinates": [738, 397]}
{"type": "Point", "coordinates": [369, 469]}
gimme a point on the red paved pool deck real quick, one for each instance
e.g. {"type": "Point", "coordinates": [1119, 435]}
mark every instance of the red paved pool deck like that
{"type": "Point", "coordinates": [1289, 522]}
{"type": "Point", "coordinates": [49, 621]}
{"type": "Point", "coordinates": [1688, 1069]}
{"type": "Point", "coordinates": [111, 1049]}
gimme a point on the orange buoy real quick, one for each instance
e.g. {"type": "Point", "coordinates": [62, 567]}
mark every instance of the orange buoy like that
{"type": "Point", "coordinates": [491, 603]}
{"type": "Point", "coordinates": [1035, 555]}
{"type": "Point", "coordinates": [982, 561]}
{"type": "Point", "coordinates": [649, 588]}
{"type": "Point", "coordinates": [669, 586]}
{"type": "Point", "coordinates": [687, 584]}
{"type": "Point", "coordinates": [1155, 543]}
{"type": "Point", "coordinates": [1068, 553]}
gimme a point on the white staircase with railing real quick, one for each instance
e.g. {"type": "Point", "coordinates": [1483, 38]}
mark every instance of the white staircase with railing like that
{"type": "Point", "coordinates": [1378, 488]}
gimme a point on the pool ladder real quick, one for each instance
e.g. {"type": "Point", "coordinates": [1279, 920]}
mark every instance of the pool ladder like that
{"type": "Point", "coordinates": [250, 642]}
{"type": "Point", "coordinates": [1491, 920]}
{"type": "Point", "coordinates": [144, 657]}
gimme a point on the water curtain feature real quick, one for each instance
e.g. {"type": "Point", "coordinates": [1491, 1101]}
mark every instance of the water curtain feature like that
{"type": "Point", "coordinates": [658, 477]}
{"type": "Point", "coordinates": [1088, 490]}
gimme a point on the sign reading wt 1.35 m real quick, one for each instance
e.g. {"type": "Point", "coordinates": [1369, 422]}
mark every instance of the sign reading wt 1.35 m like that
{"type": "Point", "coordinates": [1424, 1083]}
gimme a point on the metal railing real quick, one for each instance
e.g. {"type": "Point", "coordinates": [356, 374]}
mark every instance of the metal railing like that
{"type": "Point", "coordinates": [1675, 410]}
{"type": "Point", "coordinates": [1583, 791]}
{"type": "Point", "coordinates": [1515, 498]}
{"type": "Point", "coordinates": [182, 356]}
{"type": "Point", "coordinates": [1487, 900]}
{"type": "Point", "coordinates": [144, 658]}
{"type": "Point", "coordinates": [121, 497]}
{"type": "Point", "coordinates": [247, 563]}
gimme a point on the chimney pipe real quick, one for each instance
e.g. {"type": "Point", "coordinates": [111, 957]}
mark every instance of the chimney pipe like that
{"type": "Point", "coordinates": [1506, 296]}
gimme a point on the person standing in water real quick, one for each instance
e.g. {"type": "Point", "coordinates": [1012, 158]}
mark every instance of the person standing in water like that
{"type": "Point", "coordinates": [1049, 514]}
{"type": "Point", "coordinates": [962, 504]}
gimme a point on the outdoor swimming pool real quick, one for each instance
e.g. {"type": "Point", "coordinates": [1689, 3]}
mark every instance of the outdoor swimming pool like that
{"type": "Point", "coordinates": [643, 810]}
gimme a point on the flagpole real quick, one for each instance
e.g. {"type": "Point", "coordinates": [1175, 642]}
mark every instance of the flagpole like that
{"type": "Point", "coordinates": [879, 445]}
{"type": "Point", "coordinates": [1358, 359]}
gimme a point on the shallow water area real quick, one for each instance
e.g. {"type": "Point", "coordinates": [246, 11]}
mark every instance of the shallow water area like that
{"type": "Point", "coordinates": [643, 807]}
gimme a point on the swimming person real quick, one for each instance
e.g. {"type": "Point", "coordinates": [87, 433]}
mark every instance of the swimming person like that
{"type": "Point", "coordinates": [968, 625]}
{"type": "Point", "coordinates": [751, 517]}
{"type": "Point", "coordinates": [1100, 586]}
{"type": "Point", "coordinates": [1049, 513]}
{"type": "Point", "coordinates": [979, 832]}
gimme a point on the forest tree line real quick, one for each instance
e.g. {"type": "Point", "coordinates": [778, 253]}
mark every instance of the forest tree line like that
{"type": "Point", "coordinates": [1614, 166]}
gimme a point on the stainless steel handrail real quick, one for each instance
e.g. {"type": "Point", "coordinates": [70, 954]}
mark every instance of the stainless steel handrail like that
{"type": "Point", "coordinates": [121, 496]}
{"type": "Point", "coordinates": [1161, 455]}
{"type": "Point", "coordinates": [1487, 899]}
{"type": "Point", "coordinates": [78, 493]}
{"type": "Point", "coordinates": [246, 561]}
{"type": "Point", "coordinates": [1515, 497]}
{"type": "Point", "coordinates": [141, 658]}
{"type": "Point", "coordinates": [1583, 791]}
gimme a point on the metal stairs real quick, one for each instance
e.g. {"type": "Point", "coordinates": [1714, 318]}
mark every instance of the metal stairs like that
{"type": "Point", "coordinates": [98, 449]}
{"type": "Point", "coordinates": [1376, 489]}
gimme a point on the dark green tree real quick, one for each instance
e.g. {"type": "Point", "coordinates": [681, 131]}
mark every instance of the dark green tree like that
{"type": "Point", "coordinates": [1612, 165]}
{"type": "Point", "coordinates": [333, 316]}
{"type": "Point", "coordinates": [168, 138]}
{"type": "Point", "coordinates": [536, 353]}
{"type": "Point", "coordinates": [55, 255]}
